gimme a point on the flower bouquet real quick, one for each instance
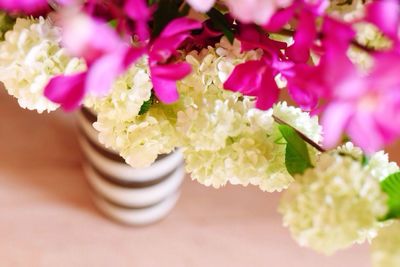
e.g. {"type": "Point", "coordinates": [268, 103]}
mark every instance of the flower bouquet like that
{"type": "Point", "coordinates": [204, 79]}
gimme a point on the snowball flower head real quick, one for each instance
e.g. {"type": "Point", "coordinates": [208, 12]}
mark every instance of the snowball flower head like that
{"type": "Point", "coordinates": [138, 138]}
{"type": "Point", "coordinates": [30, 56]}
{"type": "Point", "coordinates": [223, 131]}
{"type": "Point", "coordinates": [333, 205]}
{"type": "Point", "coordinates": [386, 247]}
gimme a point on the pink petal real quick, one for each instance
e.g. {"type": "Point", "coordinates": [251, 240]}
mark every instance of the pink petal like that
{"type": "Point", "coordinates": [165, 90]}
{"type": "Point", "coordinates": [138, 11]}
{"type": "Point", "coordinates": [68, 91]}
{"type": "Point", "coordinates": [88, 38]}
{"type": "Point", "coordinates": [25, 6]}
{"type": "Point", "coordinates": [164, 48]}
{"type": "Point", "coordinates": [304, 38]}
{"type": "Point", "coordinates": [133, 54]}
{"type": "Point", "coordinates": [246, 78]}
{"type": "Point", "coordinates": [365, 133]}
{"type": "Point", "coordinates": [180, 26]}
{"type": "Point", "coordinates": [269, 92]}
{"type": "Point", "coordinates": [176, 71]}
{"type": "Point", "coordinates": [334, 120]}
{"type": "Point", "coordinates": [251, 38]}
{"type": "Point", "coordinates": [201, 5]}
{"type": "Point", "coordinates": [385, 14]}
{"type": "Point", "coordinates": [280, 18]}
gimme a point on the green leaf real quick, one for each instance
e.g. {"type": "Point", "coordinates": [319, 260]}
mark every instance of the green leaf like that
{"type": "Point", "coordinates": [221, 23]}
{"type": "Point", "coordinates": [113, 23]}
{"type": "Point", "coordinates": [297, 159]}
{"type": "Point", "coordinates": [146, 106]}
{"type": "Point", "coordinates": [391, 186]}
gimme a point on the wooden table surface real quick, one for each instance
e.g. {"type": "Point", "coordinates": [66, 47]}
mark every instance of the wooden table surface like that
{"type": "Point", "coordinates": [47, 218]}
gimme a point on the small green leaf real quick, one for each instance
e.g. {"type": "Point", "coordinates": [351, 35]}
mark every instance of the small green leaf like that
{"type": "Point", "coordinates": [297, 159]}
{"type": "Point", "coordinates": [391, 186]}
{"type": "Point", "coordinates": [146, 106]}
{"type": "Point", "coordinates": [113, 23]}
{"type": "Point", "coordinates": [221, 23]}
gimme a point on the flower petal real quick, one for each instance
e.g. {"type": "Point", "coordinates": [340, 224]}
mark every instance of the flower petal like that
{"type": "Point", "coordinates": [269, 92]}
{"type": "Point", "coordinates": [103, 72]}
{"type": "Point", "coordinates": [180, 26]}
{"type": "Point", "coordinates": [334, 120]}
{"type": "Point", "coordinates": [172, 72]}
{"type": "Point", "coordinates": [68, 91]}
{"type": "Point", "coordinates": [201, 5]}
{"type": "Point", "coordinates": [165, 90]}
{"type": "Point", "coordinates": [385, 15]}
{"type": "Point", "coordinates": [246, 78]}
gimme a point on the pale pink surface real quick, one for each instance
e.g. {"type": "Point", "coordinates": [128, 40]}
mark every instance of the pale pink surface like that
{"type": "Point", "coordinates": [47, 218]}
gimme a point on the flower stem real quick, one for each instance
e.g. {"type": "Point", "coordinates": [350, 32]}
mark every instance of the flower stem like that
{"type": "Point", "coordinates": [302, 136]}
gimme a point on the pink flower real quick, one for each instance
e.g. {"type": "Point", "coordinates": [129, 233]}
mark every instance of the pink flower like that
{"type": "Point", "coordinates": [164, 74]}
{"type": "Point", "coordinates": [24, 6]}
{"type": "Point", "coordinates": [385, 15]}
{"type": "Point", "coordinates": [140, 13]}
{"type": "Point", "coordinates": [247, 11]}
{"type": "Point", "coordinates": [257, 77]}
{"type": "Point", "coordinates": [366, 107]}
{"type": "Point", "coordinates": [201, 5]}
{"type": "Point", "coordinates": [106, 55]}
{"type": "Point", "coordinates": [257, 11]}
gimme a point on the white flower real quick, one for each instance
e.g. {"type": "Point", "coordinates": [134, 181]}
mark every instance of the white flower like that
{"type": "Point", "coordinates": [380, 167]}
{"type": "Point", "coordinates": [333, 205]}
{"type": "Point", "coordinates": [386, 247]}
{"type": "Point", "coordinates": [30, 56]}
{"type": "Point", "coordinates": [138, 138]}
{"type": "Point", "coordinates": [225, 138]}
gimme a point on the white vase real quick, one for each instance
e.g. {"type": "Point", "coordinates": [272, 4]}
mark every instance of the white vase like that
{"type": "Point", "coordinates": [125, 194]}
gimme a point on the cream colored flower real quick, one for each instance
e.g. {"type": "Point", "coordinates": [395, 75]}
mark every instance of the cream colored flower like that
{"type": "Point", "coordinates": [333, 205]}
{"type": "Point", "coordinates": [226, 139]}
{"type": "Point", "coordinates": [138, 138]}
{"type": "Point", "coordinates": [386, 247]}
{"type": "Point", "coordinates": [30, 56]}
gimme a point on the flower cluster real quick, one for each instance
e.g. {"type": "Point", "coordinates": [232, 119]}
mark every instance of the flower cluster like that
{"type": "Point", "coordinates": [339, 202]}
{"type": "Point", "coordinates": [386, 247]}
{"type": "Point", "coordinates": [30, 56]}
{"type": "Point", "coordinates": [160, 81]}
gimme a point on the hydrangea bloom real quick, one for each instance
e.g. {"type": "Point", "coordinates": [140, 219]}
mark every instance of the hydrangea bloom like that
{"type": "Point", "coordinates": [30, 56]}
{"type": "Point", "coordinates": [333, 205]}
{"type": "Point", "coordinates": [138, 138]}
{"type": "Point", "coordinates": [224, 131]}
{"type": "Point", "coordinates": [386, 247]}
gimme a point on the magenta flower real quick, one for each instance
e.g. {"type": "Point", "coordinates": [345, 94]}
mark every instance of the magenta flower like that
{"type": "Point", "coordinates": [257, 77]}
{"type": "Point", "coordinates": [385, 15]}
{"type": "Point", "coordinates": [201, 5]}
{"type": "Point", "coordinates": [164, 74]}
{"type": "Point", "coordinates": [106, 55]}
{"type": "Point", "coordinates": [24, 6]}
{"type": "Point", "coordinates": [257, 11]}
{"type": "Point", "coordinates": [366, 107]}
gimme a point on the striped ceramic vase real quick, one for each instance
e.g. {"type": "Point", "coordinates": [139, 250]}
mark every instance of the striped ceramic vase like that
{"type": "Point", "coordinates": [128, 195]}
